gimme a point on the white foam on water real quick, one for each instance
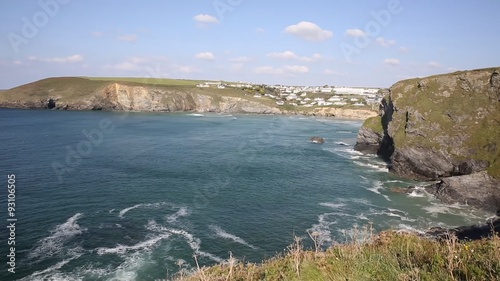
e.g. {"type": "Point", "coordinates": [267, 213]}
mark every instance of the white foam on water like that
{"type": "Point", "coordinates": [124, 211]}
{"type": "Point", "coordinates": [195, 114]}
{"type": "Point", "coordinates": [372, 167]}
{"type": "Point", "coordinates": [409, 228]}
{"type": "Point", "coordinates": [54, 243]}
{"type": "Point", "coordinates": [123, 249]}
{"type": "Point", "coordinates": [193, 242]}
{"type": "Point", "coordinates": [341, 143]}
{"type": "Point", "coordinates": [225, 235]}
{"type": "Point", "coordinates": [42, 275]}
{"type": "Point", "coordinates": [332, 205]}
{"type": "Point", "coordinates": [182, 212]}
{"type": "Point", "coordinates": [376, 187]}
{"type": "Point", "coordinates": [416, 193]}
{"type": "Point", "coordinates": [321, 230]}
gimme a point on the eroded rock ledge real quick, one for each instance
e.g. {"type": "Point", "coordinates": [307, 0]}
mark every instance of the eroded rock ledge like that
{"type": "Point", "coordinates": [443, 128]}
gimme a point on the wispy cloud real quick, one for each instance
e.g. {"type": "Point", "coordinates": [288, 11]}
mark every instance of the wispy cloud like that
{"type": "Point", "coordinates": [385, 43]}
{"type": "Point", "coordinates": [333, 72]}
{"type": "Point", "coordinates": [289, 55]}
{"type": "Point", "coordinates": [355, 33]}
{"type": "Point", "coordinates": [240, 59]}
{"type": "Point", "coordinates": [392, 62]}
{"type": "Point", "coordinates": [97, 34]}
{"type": "Point", "coordinates": [186, 69]}
{"type": "Point", "coordinates": [69, 59]}
{"type": "Point", "coordinates": [128, 37]}
{"type": "Point", "coordinates": [205, 56]}
{"type": "Point", "coordinates": [287, 69]}
{"type": "Point", "coordinates": [403, 50]}
{"type": "Point", "coordinates": [309, 31]}
{"type": "Point", "coordinates": [435, 64]}
{"type": "Point", "coordinates": [205, 19]}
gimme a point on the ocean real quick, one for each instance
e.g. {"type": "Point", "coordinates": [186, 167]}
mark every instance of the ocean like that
{"type": "Point", "coordinates": [134, 196]}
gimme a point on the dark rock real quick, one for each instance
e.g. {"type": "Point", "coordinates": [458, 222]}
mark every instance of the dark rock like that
{"type": "Point", "coordinates": [368, 141]}
{"type": "Point", "coordinates": [473, 232]}
{"type": "Point", "coordinates": [51, 104]}
{"type": "Point", "coordinates": [318, 140]}
{"type": "Point", "coordinates": [472, 166]}
{"type": "Point", "coordinates": [478, 189]}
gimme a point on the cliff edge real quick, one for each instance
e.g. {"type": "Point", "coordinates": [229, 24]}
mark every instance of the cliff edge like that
{"type": "Point", "coordinates": [443, 128]}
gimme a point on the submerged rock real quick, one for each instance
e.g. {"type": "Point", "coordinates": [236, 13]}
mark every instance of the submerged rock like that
{"type": "Point", "coordinates": [318, 140]}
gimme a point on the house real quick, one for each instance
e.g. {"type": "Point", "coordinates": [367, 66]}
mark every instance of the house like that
{"type": "Point", "coordinates": [203, 86]}
{"type": "Point", "coordinates": [221, 86]}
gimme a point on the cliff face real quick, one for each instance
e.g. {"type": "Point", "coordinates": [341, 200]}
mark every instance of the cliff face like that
{"type": "Point", "coordinates": [439, 127]}
{"type": "Point", "coordinates": [72, 93]}
{"type": "Point", "coordinates": [75, 94]}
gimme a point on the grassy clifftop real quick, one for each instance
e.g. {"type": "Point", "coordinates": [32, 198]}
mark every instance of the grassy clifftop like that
{"type": "Point", "coordinates": [388, 256]}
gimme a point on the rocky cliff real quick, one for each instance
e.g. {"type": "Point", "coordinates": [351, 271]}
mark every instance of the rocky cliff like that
{"type": "Point", "coordinates": [82, 94]}
{"type": "Point", "coordinates": [444, 128]}
{"type": "Point", "coordinates": [72, 93]}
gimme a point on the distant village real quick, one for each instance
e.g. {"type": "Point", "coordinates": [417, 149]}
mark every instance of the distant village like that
{"type": "Point", "coordinates": [307, 96]}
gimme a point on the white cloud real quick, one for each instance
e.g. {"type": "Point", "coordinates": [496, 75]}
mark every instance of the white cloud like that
{"type": "Point", "coordinates": [403, 50]}
{"type": "Point", "coordinates": [205, 19]}
{"type": "Point", "coordinates": [289, 55]}
{"type": "Point", "coordinates": [435, 64]}
{"type": "Point", "coordinates": [284, 55]}
{"type": "Point", "coordinates": [240, 59]}
{"type": "Point", "coordinates": [333, 72]}
{"type": "Point", "coordinates": [128, 66]}
{"type": "Point", "coordinates": [97, 34]}
{"type": "Point", "coordinates": [127, 37]}
{"type": "Point", "coordinates": [18, 62]}
{"type": "Point", "coordinates": [287, 69]}
{"type": "Point", "coordinates": [382, 42]}
{"type": "Point", "coordinates": [260, 30]}
{"type": "Point", "coordinates": [69, 59]}
{"type": "Point", "coordinates": [237, 66]}
{"type": "Point", "coordinates": [205, 56]}
{"type": "Point", "coordinates": [268, 70]}
{"type": "Point", "coordinates": [139, 64]}
{"type": "Point", "coordinates": [355, 33]}
{"type": "Point", "coordinates": [309, 31]}
{"type": "Point", "coordinates": [186, 69]}
{"type": "Point", "coordinates": [392, 62]}
{"type": "Point", "coordinates": [296, 69]}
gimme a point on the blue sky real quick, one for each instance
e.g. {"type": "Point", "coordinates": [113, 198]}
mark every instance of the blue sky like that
{"type": "Point", "coordinates": [316, 42]}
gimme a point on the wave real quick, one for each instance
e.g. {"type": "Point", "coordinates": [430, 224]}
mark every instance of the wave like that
{"type": "Point", "coordinates": [53, 244]}
{"type": "Point", "coordinates": [376, 187]}
{"type": "Point", "coordinates": [145, 205]}
{"type": "Point", "coordinates": [122, 249]}
{"type": "Point", "coordinates": [342, 143]}
{"type": "Point", "coordinates": [182, 212]}
{"type": "Point", "coordinates": [195, 114]}
{"type": "Point", "coordinates": [373, 167]}
{"type": "Point", "coordinates": [321, 230]}
{"type": "Point", "coordinates": [42, 275]}
{"type": "Point", "coordinates": [193, 242]}
{"type": "Point", "coordinates": [223, 234]}
{"type": "Point", "coordinates": [332, 205]}
{"type": "Point", "coordinates": [124, 211]}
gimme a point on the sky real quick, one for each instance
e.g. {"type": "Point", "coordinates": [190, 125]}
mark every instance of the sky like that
{"type": "Point", "coordinates": [317, 42]}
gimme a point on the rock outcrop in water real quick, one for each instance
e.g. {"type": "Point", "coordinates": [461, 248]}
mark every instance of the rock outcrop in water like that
{"type": "Point", "coordinates": [444, 128]}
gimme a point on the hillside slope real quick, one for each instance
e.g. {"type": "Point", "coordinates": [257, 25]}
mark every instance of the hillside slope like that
{"type": "Point", "coordinates": [159, 95]}
{"type": "Point", "coordinates": [444, 128]}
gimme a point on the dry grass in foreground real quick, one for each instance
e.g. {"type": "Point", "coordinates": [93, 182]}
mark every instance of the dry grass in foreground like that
{"type": "Point", "coordinates": [387, 256]}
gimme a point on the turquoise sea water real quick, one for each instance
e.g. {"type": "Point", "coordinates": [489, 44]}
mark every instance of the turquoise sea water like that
{"type": "Point", "coordinates": [117, 196]}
